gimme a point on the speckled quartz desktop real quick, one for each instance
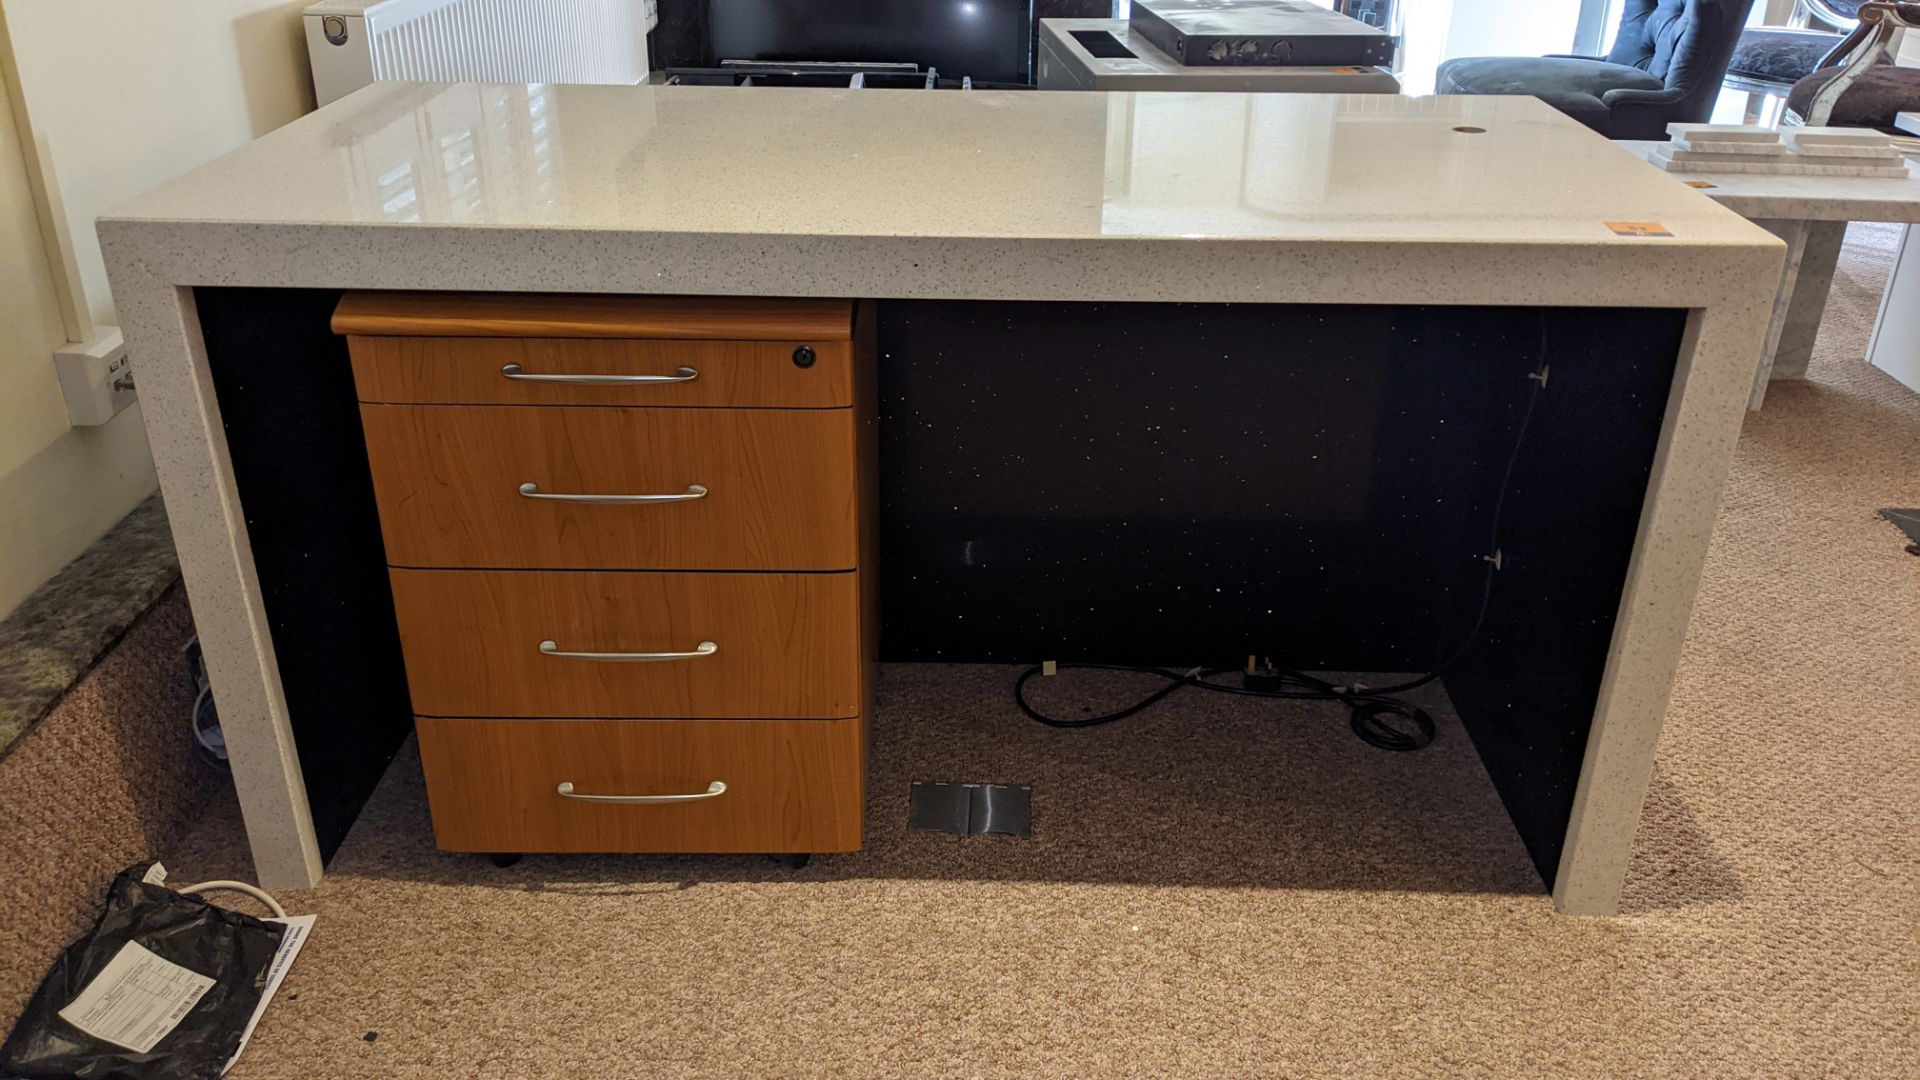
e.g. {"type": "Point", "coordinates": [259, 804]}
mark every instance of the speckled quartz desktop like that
{"type": "Point", "coordinates": [980, 195]}
{"type": "Point", "coordinates": [830, 192]}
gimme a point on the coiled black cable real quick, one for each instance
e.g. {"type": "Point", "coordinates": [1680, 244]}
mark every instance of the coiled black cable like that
{"type": "Point", "coordinates": [1370, 708]}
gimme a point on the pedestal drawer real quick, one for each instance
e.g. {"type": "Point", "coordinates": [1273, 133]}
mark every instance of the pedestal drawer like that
{"type": "Point", "coordinates": [480, 348]}
{"type": "Point", "coordinates": [694, 489]}
{"type": "Point", "coordinates": [640, 644]}
{"type": "Point", "coordinates": [761, 785]}
{"type": "Point", "coordinates": [539, 371]}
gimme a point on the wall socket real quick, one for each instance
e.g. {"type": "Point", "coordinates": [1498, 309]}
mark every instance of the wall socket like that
{"type": "Point", "coordinates": [96, 378]}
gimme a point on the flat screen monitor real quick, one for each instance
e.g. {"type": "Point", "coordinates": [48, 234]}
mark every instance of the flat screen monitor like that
{"type": "Point", "coordinates": [989, 40]}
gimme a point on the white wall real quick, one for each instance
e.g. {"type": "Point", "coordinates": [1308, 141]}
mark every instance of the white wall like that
{"type": "Point", "coordinates": [60, 487]}
{"type": "Point", "coordinates": [1438, 30]}
{"type": "Point", "coordinates": [120, 95]}
{"type": "Point", "coordinates": [1512, 27]}
{"type": "Point", "coordinates": [128, 93]}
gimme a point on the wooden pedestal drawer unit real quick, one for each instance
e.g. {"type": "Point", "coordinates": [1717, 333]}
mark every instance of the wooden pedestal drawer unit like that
{"type": "Point", "coordinates": [630, 548]}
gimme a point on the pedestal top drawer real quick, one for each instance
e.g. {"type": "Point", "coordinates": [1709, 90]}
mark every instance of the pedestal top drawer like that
{"type": "Point", "coordinates": [526, 643]}
{"type": "Point", "coordinates": [645, 785]}
{"type": "Point", "coordinates": [548, 371]}
{"type": "Point", "coordinates": [593, 488]}
{"type": "Point", "coordinates": [608, 350]}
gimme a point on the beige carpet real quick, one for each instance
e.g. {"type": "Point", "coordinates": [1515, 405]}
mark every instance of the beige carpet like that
{"type": "Point", "coordinates": [1230, 888]}
{"type": "Point", "coordinates": [104, 779]}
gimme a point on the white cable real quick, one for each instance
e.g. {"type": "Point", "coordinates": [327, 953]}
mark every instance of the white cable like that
{"type": "Point", "coordinates": [254, 891]}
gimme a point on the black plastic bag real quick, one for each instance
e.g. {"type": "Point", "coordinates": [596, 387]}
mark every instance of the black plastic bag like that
{"type": "Point", "coordinates": [225, 955]}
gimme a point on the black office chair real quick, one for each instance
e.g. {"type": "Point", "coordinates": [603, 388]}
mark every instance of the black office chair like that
{"type": "Point", "coordinates": [1666, 67]}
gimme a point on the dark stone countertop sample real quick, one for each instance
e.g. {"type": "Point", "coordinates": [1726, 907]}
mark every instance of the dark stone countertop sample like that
{"type": "Point", "coordinates": [55, 636]}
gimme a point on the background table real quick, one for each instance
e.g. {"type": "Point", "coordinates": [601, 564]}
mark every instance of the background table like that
{"type": "Point", "coordinates": [1811, 214]}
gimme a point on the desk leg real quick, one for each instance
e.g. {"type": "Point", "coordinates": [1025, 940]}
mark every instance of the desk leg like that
{"type": "Point", "coordinates": [189, 445]}
{"type": "Point", "coordinates": [1676, 524]}
{"type": "Point", "coordinates": [1809, 302]}
{"type": "Point", "coordinates": [1796, 234]}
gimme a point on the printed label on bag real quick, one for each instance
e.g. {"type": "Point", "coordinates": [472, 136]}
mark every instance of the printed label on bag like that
{"type": "Point", "coordinates": [136, 999]}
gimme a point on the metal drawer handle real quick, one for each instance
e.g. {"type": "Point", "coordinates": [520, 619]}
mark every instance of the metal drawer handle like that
{"type": "Point", "coordinates": [532, 490]}
{"type": "Point", "coordinates": [718, 787]}
{"type": "Point", "coordinates": [680, 374]}
{"type": "Point", "coordinates": [705, 648]}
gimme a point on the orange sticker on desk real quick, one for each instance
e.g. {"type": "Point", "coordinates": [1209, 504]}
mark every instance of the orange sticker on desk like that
{"type": "Point", "coordinates": [1352, 70]}
{"type": "Point", "coordinates": [1699, 183]}
{"type": "Point", "coordinates": [1638, 228]}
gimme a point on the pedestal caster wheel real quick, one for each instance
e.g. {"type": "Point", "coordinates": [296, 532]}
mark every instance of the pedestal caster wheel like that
{"type": "Point", "coordinates": [792, 862]}
{"type": "Point", "coordinates": [504, 859]}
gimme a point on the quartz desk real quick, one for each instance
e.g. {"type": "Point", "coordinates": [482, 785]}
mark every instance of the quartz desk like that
{"type": "Point", "coordinates": [1129, 345]}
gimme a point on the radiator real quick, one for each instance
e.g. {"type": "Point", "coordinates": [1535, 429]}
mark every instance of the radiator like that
{"type": "Point", "coordinates": [355, 42]}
